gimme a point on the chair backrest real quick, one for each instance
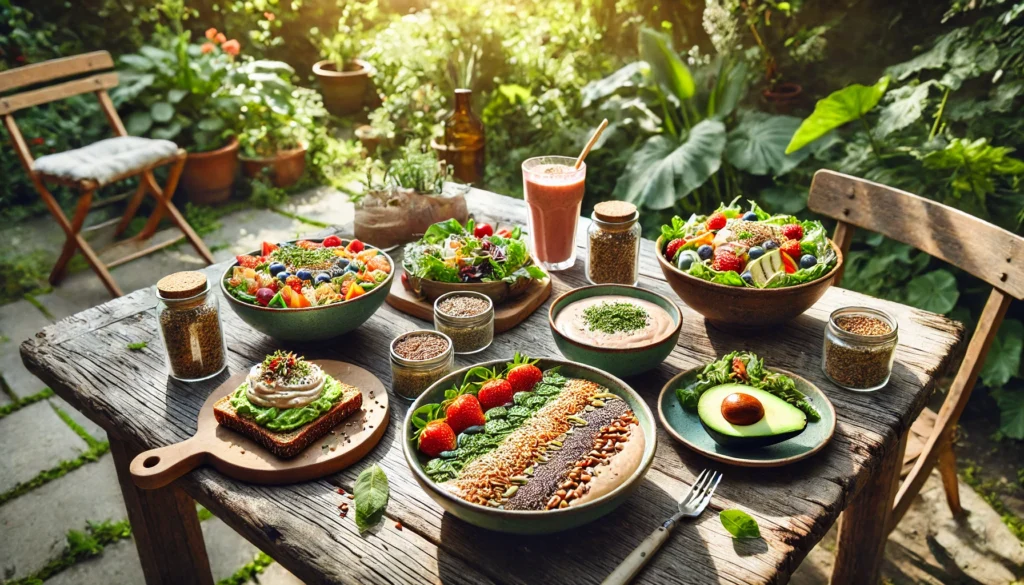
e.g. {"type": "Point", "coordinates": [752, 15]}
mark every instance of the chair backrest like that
{"type": "Point", "coordinates": [48, 71]}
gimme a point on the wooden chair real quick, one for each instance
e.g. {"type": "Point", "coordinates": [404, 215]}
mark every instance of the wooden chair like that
{"type": "Point", "coordinates": [89, 168]}
{"type": "Point", "coordinates": [990, 253]}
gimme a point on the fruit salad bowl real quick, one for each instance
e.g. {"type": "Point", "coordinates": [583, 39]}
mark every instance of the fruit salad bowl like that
{"type": "Point", "coordinates": [519, 521]}
{"type": "Point", "coordinates": [737, 307]}
{"type": "Point", "coordinates": [310, 322]}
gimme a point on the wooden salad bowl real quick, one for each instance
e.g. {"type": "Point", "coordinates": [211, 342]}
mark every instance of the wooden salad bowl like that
{"type": "Point", "coordinates": [737, 307]}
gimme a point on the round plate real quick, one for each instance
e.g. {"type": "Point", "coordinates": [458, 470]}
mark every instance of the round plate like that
{"type": "Point", "coordinates": [685, 427]}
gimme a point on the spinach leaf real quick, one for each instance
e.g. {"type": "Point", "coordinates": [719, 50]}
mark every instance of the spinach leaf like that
{"type": "Point", "coordinates": [372, 494]}
{"type": "Point", "coordinates": [739, 524]}
{"type": "Point", "coordinates": [440, 231]}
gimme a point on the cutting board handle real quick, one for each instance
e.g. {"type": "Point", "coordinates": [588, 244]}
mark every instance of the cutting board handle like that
{"type": "Point", "coordinates": [158, 467]}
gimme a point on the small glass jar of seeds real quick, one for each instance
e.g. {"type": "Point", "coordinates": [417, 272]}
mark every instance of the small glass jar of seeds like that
{"type": "Point", "coordinates": [613, 244]}
{"type": "Point", "coordinates": [467, 318]}
{"type": "Point", "coordinates": [418, 359]}
{"type": "Point", "coordinates": [860, 344]}
{"type": "Point", "coordinates": [190, 326]}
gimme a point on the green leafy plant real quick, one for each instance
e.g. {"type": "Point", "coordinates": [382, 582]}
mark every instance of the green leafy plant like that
{"type": "Point", "coordinates": [414, 168]}
{"type": "Point", "coordinates": [276, 115]}
{"type": "Point", "coordinates": [346, 43]}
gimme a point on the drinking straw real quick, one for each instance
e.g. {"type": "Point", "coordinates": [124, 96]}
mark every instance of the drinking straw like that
{"type": "Point", "coordinates": [590, 143]}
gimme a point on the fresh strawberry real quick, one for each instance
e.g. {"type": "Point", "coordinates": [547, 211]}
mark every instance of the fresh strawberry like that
{"type": "Point", "coordinates": [791, 248]}
{"type": "Point", "coordinates": [716, 221]}
{"type": "Point", "coordinates": [494, 392]}
{"type": "Point", "coordinates": [727, 259]}
{"type": "Point", "coordinates": [268, 248]}
{"type": "Point", "coordinates": [522, 374]}
{"type": "Point", "coordinates": [249, 261]}
{"type": "Point", "coordinates": [673, 247]}
{"type": "Point", "coordinates": [331, 242]}
{"type": "Point", "coordinates": [464, 412]}
{"type": "Point", "coordinates": [355, 246]}
{"type": "Point", "coordinates": [436, 438]}
{"type": "Point", "coordinates": [295, 283]}
{"type": "Point", "coordinates": [793, 231]}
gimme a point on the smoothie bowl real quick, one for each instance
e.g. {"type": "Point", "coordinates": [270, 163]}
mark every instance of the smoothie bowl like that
{"type": "Point", "coordinates": [308, 290]}
{"type": "Point", "coordinates": [529, 446]}
{"type": "Point", "coordinates": [624, 330]}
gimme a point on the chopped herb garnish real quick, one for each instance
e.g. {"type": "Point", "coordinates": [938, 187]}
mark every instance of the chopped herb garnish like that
{"type": "Point", "coordinates": [619, 317]}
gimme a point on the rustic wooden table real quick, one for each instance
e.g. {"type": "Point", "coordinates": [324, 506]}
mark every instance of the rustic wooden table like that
{"type": "Point", "coordinates": [85, 361]}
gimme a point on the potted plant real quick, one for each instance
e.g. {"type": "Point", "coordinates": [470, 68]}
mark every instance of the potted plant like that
{"type": "Point", "coordinates": [175, 89]}
{"type": "Point", "coordinates": [408, 198]}
{"type": "Point", "coordinates": [278, 122]}
{"type": "Point", "coordinates": [344, 79]}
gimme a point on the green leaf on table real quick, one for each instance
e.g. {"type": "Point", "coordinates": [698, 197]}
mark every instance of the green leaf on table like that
{"type": "Point", "coordinates": [663, 170]}
{"type": "Point", "coordinates": [1003, 361]}
{"type": "Point", "coordinates": [739, 524]}
{"type": "Point", "coordinates": [934, 291]}
{"type": "Point", "coordinates": [161, 112]}
{"type": "Point", "coordinates": [138, 345]}
{"type": "Point", "coordinates": [138, 123]}
{"type": "Point", "coordinates": [666, 67]}
{"type": "Point", "coordinates": [839, 108]}
{"type": "Point", "coordinates": [371, 491]}
{"type": "Point", "coordinates": [1011, 411]}
{"type": "Point", "coordinates": [758, 144]}
{"type": "Point", "coordinates": [906, 107]}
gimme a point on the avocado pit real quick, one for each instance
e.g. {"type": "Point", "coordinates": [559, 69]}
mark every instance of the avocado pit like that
{"type": "Point", "coordinates": [740, 408]}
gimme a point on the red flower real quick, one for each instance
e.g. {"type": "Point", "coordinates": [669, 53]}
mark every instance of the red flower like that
{"type": "Point", "coordinates": [207, 47]}
{"type": "Point", "coordinates": [38, 140]}
{"type": "Point", "coordinates": [231, 47]}
{"type": "Point", "coordinates": [269, 16]}
{"type": "Point", "coordinates": [20, 58]}
{"type": "Point", "coordinates": [211, 33]}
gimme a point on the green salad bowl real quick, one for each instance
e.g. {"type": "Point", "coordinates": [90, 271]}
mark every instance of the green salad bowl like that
{"type": "Point", "coordinates": [619, 362]}
{"type": "Point", "coordinates": [310, 323]}
{"type": "Point", "coordinates": [533, 521]}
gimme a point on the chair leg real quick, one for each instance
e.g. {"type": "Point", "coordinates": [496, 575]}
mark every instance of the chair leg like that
{"type": "Point", "coordinates": [947, 469]}
{"type": "Point", "coordinates": [71, 243]}
{"type": "Point", "coordinates": [133, 207]}
{"type": "Point", "coordinates": [164, 199]}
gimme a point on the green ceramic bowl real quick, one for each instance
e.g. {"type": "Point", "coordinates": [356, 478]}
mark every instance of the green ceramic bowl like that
{"type": "Point", "coordinates": [533, 522]}
{"type": "Point", "coordinates": [619, 362]}
{"type": "Point", "coordinates": [310, 323]}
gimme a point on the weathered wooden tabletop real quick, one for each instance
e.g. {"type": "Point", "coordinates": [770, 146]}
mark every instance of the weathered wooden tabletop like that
{"type": "Point", "coordinates": [84, 359]}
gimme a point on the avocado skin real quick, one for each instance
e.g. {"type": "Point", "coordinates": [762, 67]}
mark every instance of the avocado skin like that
{"type": "Point", "coordinates": [747, 442]}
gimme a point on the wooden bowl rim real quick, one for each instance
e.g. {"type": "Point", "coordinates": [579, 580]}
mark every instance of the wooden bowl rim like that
{"type": "Point", "coordinates": [610, 350]}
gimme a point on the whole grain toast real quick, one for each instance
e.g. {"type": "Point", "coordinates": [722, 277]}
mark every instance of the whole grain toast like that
{"type": "Point", "coordinates": [289, 444]}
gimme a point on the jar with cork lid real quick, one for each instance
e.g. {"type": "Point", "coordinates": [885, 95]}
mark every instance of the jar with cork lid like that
{"type": "Point", "coordinates": [190, 326]}
{"type": "Point", "coordinates": [613, 244]}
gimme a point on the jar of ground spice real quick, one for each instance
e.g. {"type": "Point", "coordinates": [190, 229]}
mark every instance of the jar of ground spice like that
{"type": "Point", "coordinates": [189, 318]}
{"type": "Point", "coordinates": [860, 344]}
{"type": "Point", "coordinates": [418, 359]}
{"type": "Point", "coordinates": [467, 318]}
{"type": "Point", "coordinates": [613, 244]}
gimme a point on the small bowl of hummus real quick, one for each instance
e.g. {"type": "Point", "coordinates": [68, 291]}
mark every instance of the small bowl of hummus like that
{"type": "Point", "coordinates": [623, 330]}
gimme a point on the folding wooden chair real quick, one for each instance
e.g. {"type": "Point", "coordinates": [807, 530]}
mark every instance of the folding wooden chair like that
{"type": "Point", "coordinates": [990, 253]}
{"type": "Point", "coordinates": [94, 166]}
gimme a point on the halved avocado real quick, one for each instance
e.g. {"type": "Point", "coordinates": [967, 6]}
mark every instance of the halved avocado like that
{"type": "Point", "coordinates": [779, 421]}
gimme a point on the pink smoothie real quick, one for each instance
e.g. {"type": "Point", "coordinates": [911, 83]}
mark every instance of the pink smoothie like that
{"type": "Point", "coordinates": [554, 193]}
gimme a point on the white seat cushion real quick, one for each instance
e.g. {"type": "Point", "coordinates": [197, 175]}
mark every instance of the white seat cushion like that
{"type": "Point", "coordinates": [105, 160]}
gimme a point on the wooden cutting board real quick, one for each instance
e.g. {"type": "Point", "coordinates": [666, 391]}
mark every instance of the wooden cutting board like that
{"type": "Point", "coordinates": [242, 458]}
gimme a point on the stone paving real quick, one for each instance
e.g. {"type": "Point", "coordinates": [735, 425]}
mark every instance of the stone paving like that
{"type": "Point", "coordinates": [929, 546]}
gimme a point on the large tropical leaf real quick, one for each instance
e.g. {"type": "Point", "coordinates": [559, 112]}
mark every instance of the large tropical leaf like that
{"type": "Point", "coordinates": [1011, 411]}
{"type": "Point", "coordinates": [667, 68]}
{"type": "Point", "coordinates": [663, 170]}
{"type": "Point", "coordinates": [758, 144]}
{"type": "Point", "coordinates": [1003, 361]}
{"type": "Point", "coordinates": [972, 166]}
{"type": "Point", "coordinates": [934, 58]}
{"type": "Point", "coordinates": [968, 62]}
{"type": "Point", "coordinates": [730, 86]}
{"type": "Point", "coordinates": [839, 108]}
{"type": "Point", "coordinates": [935, 291]}
{"type": "Point", "coordinates": [627, 77]}
{"type": "Point", "coordinates": [906, 107]}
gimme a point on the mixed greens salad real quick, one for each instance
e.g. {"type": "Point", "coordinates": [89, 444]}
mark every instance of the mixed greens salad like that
{"type": "Point", "coordinates": [451, 252]}
{"type": "Point", "coordinates": [744, 367]}
{"type": "Point", "coordinates": [751, 248]}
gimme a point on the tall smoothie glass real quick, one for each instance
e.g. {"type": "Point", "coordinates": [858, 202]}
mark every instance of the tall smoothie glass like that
{"type": "Point", "coordinates": [554, 193]}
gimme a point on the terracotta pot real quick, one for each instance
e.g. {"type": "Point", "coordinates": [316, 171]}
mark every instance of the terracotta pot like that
{"type": "Point", "coordinates": [739, 308]}
{"type": "Point", "coordinates": [286, 167]}
{"type": "Point", "coordinates": [371, 140]}
{"type": "Point", "coordinates": [343, 90]}
{"type": "Point", "coordinates": [209, 176]}
{"type": "Point", "coordinates": [783, 95]}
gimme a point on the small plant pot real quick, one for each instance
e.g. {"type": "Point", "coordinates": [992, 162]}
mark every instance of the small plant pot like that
{"type": "Point", "coordinates": [209, 177]}
{"type": "Point", "coordinates": [370, 140]}
{"type": "Point", "coordinates": [286, 167]}
{"type": "Point", "coordinates": [783, 95]}
{"type": "Point", "coordinates": [343, 91]}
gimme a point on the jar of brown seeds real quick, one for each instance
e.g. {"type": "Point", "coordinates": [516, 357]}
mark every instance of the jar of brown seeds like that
{"type": "Point", "coordinates": [613, 244]}
{"type": "Point", "coordinates": [467, 318]}
{"type": "Point", "coordinates": [418, 359]}
{"type": "Point", "coordinates": [189, 318]}
{"type": "Point", "coordinates": [860, 344]}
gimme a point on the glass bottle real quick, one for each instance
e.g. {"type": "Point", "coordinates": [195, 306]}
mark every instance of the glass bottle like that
{"type": "Point", "coordinates": [464, 140]}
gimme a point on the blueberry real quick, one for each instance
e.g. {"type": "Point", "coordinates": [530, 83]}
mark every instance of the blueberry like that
{"type": "Point", "coordinates": [755, 252]}
{"type": "Point", "coordinates": [770, 245]}
{"type": "Point", "coordinates": [341, 262]}
{"type": "Point", "coordinates": [705, 252]}
{"type": "Point", "coordinates": [304, 274]}
{"type": "Point", "coordinates": [685, 259]}
{"type": "Point", "coordinates": [747, 277]}
{"type": "Point", "coordinates": [283, 276]}
{"type": "Point", "coordinates": [808, 261]}
{"type": "Point", "coordinates": [276, 267]}
{"type": "Point", "coordinates": [323, 277]}
{"type": "Point", "coordinates": [750, 216]}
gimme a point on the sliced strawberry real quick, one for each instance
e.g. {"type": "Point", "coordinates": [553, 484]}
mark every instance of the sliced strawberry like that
{"type": "Point", "coordinates": [268, 248]}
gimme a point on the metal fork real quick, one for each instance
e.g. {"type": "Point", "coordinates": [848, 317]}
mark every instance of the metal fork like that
{"type": "Point", "coordinates": [690, 506]}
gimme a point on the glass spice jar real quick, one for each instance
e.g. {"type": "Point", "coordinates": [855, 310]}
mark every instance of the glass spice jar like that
{"type": "Point", "coordinates": [613, 244]}
{"type": "Point", "coordinates": [467, 318]}
{"type": "Point", "coordinates": [189, 318]}
{"type": "Point", "coordinates": [859, 348]}
{"type": "Point", "coordinates": [418, 359]}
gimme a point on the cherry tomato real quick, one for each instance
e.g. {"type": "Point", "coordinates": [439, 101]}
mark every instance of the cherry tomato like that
{"type": "Point", "coordinates": [355, 246]}
{"type": "Point", "coordinates": [482, 230]}
{"type": "Point", "coordinates": [332, 242]}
